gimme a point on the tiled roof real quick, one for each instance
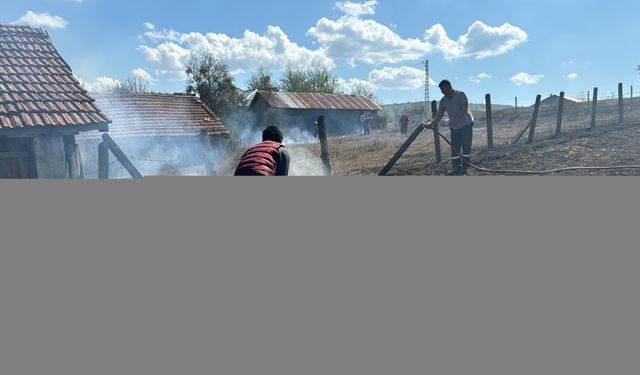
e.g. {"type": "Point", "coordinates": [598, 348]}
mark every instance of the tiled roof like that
{"type": "Point", "coordinates": [157, 115]}
{"type": "Point", "coordinates": [303, 100]}
{"type": "Point", "coordinates": [37, 87]}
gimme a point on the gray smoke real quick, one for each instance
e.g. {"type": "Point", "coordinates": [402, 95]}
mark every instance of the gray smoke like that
{"type": "Point", "coordinates": [153, 157]}
{"type": "Point", "coordinates": [297, 139]}
{"type": "Point", "coordinates": [304, 162]}
{"type": "Point", "coordinates": [190, 156]}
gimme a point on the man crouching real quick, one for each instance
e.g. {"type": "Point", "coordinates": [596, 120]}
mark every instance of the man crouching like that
{"type": "Point", "coordinates": [268, 158]}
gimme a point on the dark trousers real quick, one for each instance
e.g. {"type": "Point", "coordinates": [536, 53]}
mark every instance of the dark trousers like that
{"type": "Point", "coordinates": [461, 139]}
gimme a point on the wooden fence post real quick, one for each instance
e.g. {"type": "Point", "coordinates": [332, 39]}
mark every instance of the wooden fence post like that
{"type": "Point", "coordinates": [103, 161]}
{"type": "Point", "coordinates": [534, 119]}
{"type": "Point", "coordinates": [70, 157]}
{"type": "Point", "coordinates": [524, 130]}
{"type": "Point", "coordinates": [620, 103]}
{"type": "Point", "coordinates": [490, 121]}
{"type": "Point", "coordinates": [122, 158]}
{"type": "Point", "coordinates": [401, 151]}
{"type": "Point", "coordinates": [324, 146]}
{"type": "Point", "coordinates": [208, 155]}
{"type": "Point", "coordinates": [594, 108]}
{"type": "Point", "coordinates": [560, 110]}
{"type": "Point", "coordinates": [516, 105]}
{"type": "Point", "coordinates": [436, 137]}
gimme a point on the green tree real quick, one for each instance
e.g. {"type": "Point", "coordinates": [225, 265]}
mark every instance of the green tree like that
{"type": "Point", "coordinates": [315, 78]}
{"type": "Point", "coordinates": [209, 78]}
{"type": "Point", "coordinates": [362, 89]}
{"type": "Point", "coordinates": [294, 79]}
{"type": "Point", "coordinates": [261, 80]}
{"type": "Point", "coordinates": [134, 84]}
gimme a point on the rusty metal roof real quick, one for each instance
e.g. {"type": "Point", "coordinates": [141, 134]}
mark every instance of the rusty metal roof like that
{"type": "Point", "coordinates": [37, 87]}
{"type": "Point", "coordinates": [157, 115]}
{"type": "Point", "coordinates": [305, 100]}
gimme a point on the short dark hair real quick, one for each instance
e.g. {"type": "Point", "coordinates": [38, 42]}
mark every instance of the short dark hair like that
{"type": "Point", "coordinates": [272, 133]}
{"type": "Point", "coordinates": [444, 83]}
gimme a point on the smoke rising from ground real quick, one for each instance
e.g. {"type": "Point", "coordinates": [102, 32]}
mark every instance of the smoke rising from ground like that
{"type": "Point", "coordinates": [153, 157]}
{"type": "Point", "coordinates": [191, 156]}
{"type": "Point", "coordinates": [304, 162]}
{"type": "Point", "coordinates": [245, 133]}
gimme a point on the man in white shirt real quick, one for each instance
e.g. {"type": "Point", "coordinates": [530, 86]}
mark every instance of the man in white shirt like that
{"type": "Point", "coordinates": [456, 104]}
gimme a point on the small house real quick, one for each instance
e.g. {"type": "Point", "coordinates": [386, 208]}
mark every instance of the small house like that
{"type": "Point", "coordinates": [343, 114]}
{"type": "Point", "coordinates": [161, 134]}
{"type": "Point", "coordinates": [42, 108]}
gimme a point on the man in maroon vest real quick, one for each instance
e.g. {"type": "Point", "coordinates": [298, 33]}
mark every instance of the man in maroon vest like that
{"type": "Point", "coordinates": [267, 158]}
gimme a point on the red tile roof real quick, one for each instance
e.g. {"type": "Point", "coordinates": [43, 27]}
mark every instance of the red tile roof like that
{"type": "Point", "coordinates": [303, 100]}
{"type": "Point", "coordinates": [37, 87]}
{"type": "Point", "coordinates": [157, 115]}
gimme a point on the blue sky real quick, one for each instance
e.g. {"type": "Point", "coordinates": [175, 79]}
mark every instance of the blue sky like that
{"type": "Point", "coordinates": [504, 47]}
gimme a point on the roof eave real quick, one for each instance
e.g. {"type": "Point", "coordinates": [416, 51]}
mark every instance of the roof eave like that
{"type": "Point", "coordinates": [52, 130]}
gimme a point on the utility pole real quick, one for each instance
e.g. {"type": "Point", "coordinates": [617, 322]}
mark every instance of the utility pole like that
{"type": "Point", "coordinates": [426, 83]}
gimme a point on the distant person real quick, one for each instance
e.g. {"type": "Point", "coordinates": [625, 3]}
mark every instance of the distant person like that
{"type": "Point", "coordinates": [267, 158]}
{"type": "Point", "coordinates": [456, 104]}
{"type": "Point", "coordinates": [316, 131]}
{"type": "Point", "coordinates": [404, 124]}
{"type": "Point", "coordinates": [367, 125]}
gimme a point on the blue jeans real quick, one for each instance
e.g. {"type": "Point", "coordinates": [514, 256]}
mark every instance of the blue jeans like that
{"type": "Point", "coordinates": [461, 140]}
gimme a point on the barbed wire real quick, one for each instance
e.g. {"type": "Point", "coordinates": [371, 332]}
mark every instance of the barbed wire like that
{"type": "Point", "coordinates": [97, 171]}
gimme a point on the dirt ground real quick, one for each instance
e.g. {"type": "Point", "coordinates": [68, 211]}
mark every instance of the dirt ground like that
{"type": "Point", "coordinates": [609, 144]}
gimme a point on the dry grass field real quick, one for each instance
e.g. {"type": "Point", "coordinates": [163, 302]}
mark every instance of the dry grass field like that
{"type": "Point", "coordinates": [609, 144]}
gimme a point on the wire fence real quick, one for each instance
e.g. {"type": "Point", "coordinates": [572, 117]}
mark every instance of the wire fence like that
{"type": "Point", "coordinates": [544, 120]}
{"type": "Point", "coordinates": [604, 93]}
{"type": "Point", "coordinates": [599, 107]}
{"type": "Point", "coordinates": [536, 118]}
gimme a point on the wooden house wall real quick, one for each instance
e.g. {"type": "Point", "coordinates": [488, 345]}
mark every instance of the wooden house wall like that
{"type": "Point", "coordinates": [42, 157]}
{"type": "Point", "coordinates": [17, 158]}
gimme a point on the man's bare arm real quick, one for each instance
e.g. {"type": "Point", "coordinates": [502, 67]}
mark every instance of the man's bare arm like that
{"type": "Point", "coordinates": [436, 120]}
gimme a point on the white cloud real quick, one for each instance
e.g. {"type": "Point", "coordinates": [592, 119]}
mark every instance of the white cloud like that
{"type": "Point", "coordinates": [352, 9]}
{"type": "Point", "coordinates": [273, 50]}
{"type": "Point", "coordinates": [401, 78]}
{"type": "Point", "coordinates": [480, 41]}
{"type": "Point", "coordinates": [355, 39]}
{"type": "Point", "coordinates": [353, 83]}
{"type": "Point", "coordinates": [101, 84]}
{"type": "Point", "coordinates": [480, 77]}
{"type": "Point", "coordinates": [143, 74]}
{"type": "Point", "coordinates": [168, 58]}
{"type": "Point", "coordinates": [573, 76]}
{"type": "Point", "coordinates": [42, 19]}
{"type": "Point", "coordinates": [526, 79]}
